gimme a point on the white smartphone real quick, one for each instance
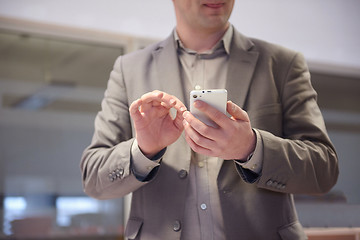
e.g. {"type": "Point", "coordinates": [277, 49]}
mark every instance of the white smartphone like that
{"type": "Point", "coordinates": [217, 98]}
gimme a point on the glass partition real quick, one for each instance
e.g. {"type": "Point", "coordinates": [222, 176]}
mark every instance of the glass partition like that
{"type": "Point", "coordinates": [50, 92]}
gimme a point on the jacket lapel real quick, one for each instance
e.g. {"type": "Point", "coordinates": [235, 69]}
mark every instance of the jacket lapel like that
{"type": "Point", "coordinates": [168, 72]}
{"type": "Point", "coordinates": [241, 67]}
{"type": "Point", "coordinates": [167, 67]}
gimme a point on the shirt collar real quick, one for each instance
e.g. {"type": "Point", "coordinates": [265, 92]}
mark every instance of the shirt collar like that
{"type": "Point", "coordinates": [224, 42]}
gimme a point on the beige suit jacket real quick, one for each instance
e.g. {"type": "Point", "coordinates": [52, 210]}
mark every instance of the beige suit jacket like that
{"type": "Point", "coordinates": [273, 85]}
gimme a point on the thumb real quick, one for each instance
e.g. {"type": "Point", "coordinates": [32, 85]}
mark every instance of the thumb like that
{"type": "Point", "coordinates": [236, 112]}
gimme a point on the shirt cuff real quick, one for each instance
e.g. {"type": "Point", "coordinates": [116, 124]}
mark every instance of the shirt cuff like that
{"type": "Point", "coordinates": [141, 165]}
{"type": "Point", "coordinates": [255, 161]}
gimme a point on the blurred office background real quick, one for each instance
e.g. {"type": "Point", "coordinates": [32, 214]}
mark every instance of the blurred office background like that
{"type": "Point", "coordinates": [55, 60]}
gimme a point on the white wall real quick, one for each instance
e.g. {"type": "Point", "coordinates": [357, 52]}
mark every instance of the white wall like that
{"type": "Point", "coordinates": [325, 31]}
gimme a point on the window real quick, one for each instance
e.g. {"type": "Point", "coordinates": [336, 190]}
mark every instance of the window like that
{"type": "Point", "coordinates": [14, 208]}
{"type": "Point", "coordinates": [50, 91]}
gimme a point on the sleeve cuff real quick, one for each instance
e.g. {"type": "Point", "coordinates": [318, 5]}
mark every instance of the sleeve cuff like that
{"type": "Point", "coordinates": [141, 165]}
{"type": "Point", "coordinates": [255, 160]}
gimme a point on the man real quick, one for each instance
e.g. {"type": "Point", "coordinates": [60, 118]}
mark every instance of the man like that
{"type": "Point", "coordinates": [192, 181]}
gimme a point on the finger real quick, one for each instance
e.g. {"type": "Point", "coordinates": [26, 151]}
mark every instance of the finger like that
{"type": "Point", "coordinates": [195, 145]}
{"type": "Point", "coordinates": [171, 101]}
{"type": "Point", "coordinates": [178, 120]}
{"type": "Point", "coordinates": [168, 103]}
{"type": "Point", "coordinates": [236, 112]}
{"type": "Point", "coordinates": [152, 96]}
{"type": "Point", "coordinates": [134, 110]}
{"type": "Point", "coordinates": [217, 116]}
{"type": "Point", "coordinates": [180, 106]}
{"type": "Point", "coordinates": [199, 139]}
{"type": "Point", "coordinates": [198, 149]}
{"type": "Point", "coordinates": [200, 127]}
{"type": "Point", "coordinates": [151, 99]}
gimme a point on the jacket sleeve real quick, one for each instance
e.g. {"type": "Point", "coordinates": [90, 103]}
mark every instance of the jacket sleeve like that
{"type": "Point", "coordinates": [302, 160]}
{"type": "Point", "coordinates": [105, 163]}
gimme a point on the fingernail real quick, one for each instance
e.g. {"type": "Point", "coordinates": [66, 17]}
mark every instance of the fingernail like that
{"type": "Point", "coordinates": [185, 114]}
{"type": "Point", "coordinates": [198, 104]}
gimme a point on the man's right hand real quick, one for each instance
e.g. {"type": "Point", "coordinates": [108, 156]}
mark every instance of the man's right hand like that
{"type": "Point", "coordinates": [155, 128]}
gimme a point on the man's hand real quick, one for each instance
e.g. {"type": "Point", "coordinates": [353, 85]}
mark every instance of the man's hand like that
{"type": "Point", "coordinates": [233, 139]}
{"type": "Point", "coordinates": [155, 128]}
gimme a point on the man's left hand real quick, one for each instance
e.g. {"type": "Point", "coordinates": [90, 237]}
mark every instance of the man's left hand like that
{"type": "Point", "coordinates": [233, 139]}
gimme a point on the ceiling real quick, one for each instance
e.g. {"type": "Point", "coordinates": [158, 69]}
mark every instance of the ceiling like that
{"type": "Point", "coordinates": [24, 57]}
{"type": "Point", "coordinates": [54, 65]}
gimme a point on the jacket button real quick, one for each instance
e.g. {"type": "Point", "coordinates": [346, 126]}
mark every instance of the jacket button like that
{"type": "Point", "coordinates": [182, 174]}
{"type": "Point", "coordinates": [177, 226]}
{"type": "Point", "coordinates": [111, 178]}
{"type": "Point", "coordinates": [269, 183]}
{"type": "Point", "coordinates": [274, 184]}
{"type": "Point", "coordinates": [119, 172]}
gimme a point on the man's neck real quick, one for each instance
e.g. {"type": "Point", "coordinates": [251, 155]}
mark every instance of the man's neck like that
{"type": "Point", "coordinates": [200, 41]}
